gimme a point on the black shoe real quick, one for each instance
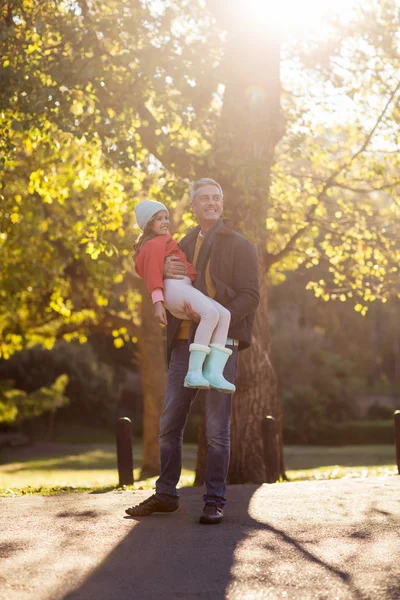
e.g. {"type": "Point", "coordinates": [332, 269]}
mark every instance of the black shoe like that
{"type": "Point", "coordinates": [212, 514]}
{"type": "Point", "coordinates": [152, 505]}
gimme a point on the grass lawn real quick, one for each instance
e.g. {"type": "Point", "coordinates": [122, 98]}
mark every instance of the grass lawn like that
{"type": "Point", "coordinates": [59, 467]}
{"type": "Point", "coordinates": [324, 462]}
{"type": "Point", "coordinates": [53, 468]}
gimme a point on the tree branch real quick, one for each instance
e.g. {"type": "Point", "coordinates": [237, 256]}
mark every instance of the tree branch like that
{"type": "Point", "coordinates": [378, 122]}
{"type": "Point", "coordinates": [271, 259]}
{"type": "Point", "coordinates": [176, 159]}
{"type": "Point", "coordinates": [108, 323]}
{"type": "Point", "coordinates": [367, 190]}
{"type": "Point", "coordinates": [172, 157]}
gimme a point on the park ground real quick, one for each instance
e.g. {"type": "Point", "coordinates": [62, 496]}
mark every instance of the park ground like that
{"type": "Point", "coordinates": [331, 532]}
{"type": "Point", "coordinates": [325, 540]}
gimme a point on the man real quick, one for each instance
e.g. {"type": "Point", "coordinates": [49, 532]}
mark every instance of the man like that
{"type": "Point", "coordinates": [227, 268]}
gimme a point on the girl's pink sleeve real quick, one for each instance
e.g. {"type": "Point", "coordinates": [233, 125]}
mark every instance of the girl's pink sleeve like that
{"type": "Point", "coordinates": [157, 295]}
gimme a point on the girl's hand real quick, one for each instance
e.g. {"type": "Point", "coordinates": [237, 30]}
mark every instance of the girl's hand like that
{"type": "Point", "coordinates": [159, 312]}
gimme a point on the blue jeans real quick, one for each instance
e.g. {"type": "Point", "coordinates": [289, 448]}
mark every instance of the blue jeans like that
{"type": "Point", "coordinates": [177, 403]}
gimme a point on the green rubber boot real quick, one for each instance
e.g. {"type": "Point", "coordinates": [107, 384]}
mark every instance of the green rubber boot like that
{"type": "Point", "coordinates": [194, 377]}
{"type": "Point", "coordinates": [214, 368]}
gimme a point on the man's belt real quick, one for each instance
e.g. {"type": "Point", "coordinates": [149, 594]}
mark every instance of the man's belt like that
{"type": "Point", "coordinates": [229, 342]}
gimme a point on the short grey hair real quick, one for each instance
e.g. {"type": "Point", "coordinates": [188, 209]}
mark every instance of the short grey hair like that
{"type": "Point", "coordinates": [203, 181]}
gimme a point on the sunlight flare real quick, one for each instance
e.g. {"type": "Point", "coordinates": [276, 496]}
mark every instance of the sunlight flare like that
{"type": "Point", "coordinates": [294, 15]}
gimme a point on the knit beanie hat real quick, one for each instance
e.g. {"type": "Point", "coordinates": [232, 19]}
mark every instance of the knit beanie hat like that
{"type": "Point", "coordinates": [146, 210]}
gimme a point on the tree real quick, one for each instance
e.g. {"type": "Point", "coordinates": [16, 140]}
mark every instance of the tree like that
{"type": "Point", "coordinates": [311, 198]}
{"type": "Point", "coordinates": [78, 83]}
{"type": "Point", "coordinates": [164, 94]}
{"type": "Point", "coordinates": [251, 125]}
{"type": "Point", "coordinates": [65, 243]}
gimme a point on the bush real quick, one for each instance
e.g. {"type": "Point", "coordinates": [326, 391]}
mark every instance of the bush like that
{"type": "Point", "coordinates": [304, 414]}
{"type": "Point", "coordinates": [334, 381]}
{"type": "Point", "coordinates": [17, 406]}
{"type": "Point", "coordinates": [346, 434]}
{"type": "Point", "coordinates": [361, 432]}
{"type": "Point", "coordinates": [380, 411]}
{"type": "Point", "coordinates": [309, 371]}
{"type": "Point", "coordinates": [92, 387]}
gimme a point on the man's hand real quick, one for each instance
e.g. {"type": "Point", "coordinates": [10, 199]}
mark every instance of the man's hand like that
{"type": "Point", "coordinates": [159, 312]}
{"type": "Point", "coordinates": [174, 268]}
{"type": "Point", "coordinates": [193, 316]}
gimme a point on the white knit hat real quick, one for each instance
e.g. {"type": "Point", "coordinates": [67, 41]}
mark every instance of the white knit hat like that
{"type": "Point", "coordinates": [146, 210]}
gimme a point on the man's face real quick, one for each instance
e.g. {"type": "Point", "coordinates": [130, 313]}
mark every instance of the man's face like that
{"type": "Point", "coordinates": [208, 204]}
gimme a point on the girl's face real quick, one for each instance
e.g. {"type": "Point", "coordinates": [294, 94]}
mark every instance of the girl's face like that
{"type": "Point", "coordinates": [160, 224]}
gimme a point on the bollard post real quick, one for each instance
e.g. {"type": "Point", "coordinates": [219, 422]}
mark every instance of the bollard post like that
{"type": "Point", "coordinates": [268, 430]}
{"type": "Point", "coordinates": [396, 416]}
{"type": "Point", "coordinates": [124, 451]}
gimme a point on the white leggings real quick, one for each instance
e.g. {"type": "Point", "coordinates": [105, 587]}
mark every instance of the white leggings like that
{"type": "Point", "coordinates": [214, 318]}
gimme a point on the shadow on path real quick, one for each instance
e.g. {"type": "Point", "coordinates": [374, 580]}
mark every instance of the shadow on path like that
{"type": "Point", "coordinates": [171, 556]}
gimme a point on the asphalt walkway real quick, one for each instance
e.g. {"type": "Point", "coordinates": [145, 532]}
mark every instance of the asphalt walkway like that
{"type": "Point", "coordinates": [330, 540]}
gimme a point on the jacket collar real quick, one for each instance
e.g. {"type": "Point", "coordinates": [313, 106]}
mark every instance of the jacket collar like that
{"type": "Point", "coordinates": [227, 229]}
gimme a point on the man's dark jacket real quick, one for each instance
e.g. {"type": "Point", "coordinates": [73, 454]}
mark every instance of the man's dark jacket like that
{"type": "Point", "coordinates": [234, 272]}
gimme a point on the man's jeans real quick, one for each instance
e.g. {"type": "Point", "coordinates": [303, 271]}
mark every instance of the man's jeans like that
{"type": "Point", "coordinates": [177, 403]}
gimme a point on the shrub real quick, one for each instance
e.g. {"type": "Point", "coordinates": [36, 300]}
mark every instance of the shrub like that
{"type": "Point", "coordinates": [17, 406]}
{"type": "Point", "coordinates": [92, 388]}
{"type": "Point", "coordinates": [347, 434]}
{"type": "Point", "coordinates": [380, 411]}
{"type": "Point", "coordinates": [308, 369]}
{"type": "Point", "coordinates": [304, 414]}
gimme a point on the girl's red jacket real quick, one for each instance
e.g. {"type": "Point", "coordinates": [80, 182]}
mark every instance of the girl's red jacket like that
{"type": "Point", "coordinates": [150, 260]}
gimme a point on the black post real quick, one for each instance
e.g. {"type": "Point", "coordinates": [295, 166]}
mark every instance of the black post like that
{"type": "Point", "coordinates": [396, 417]}
{"type": "Point", "coordinates": [124, 451]}
{"type": "Point", "coordinates": [268, 430]}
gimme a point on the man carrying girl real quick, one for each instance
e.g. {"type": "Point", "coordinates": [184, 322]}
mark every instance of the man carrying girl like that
{"type": "Point", "coordinates": [221, 264]}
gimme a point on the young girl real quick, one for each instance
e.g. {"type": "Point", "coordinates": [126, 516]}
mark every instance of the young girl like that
{"type": "Point", "coordinates": [208, 348]}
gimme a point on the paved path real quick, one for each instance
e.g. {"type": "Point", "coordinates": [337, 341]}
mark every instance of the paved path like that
{"type": "Point", "coordinates": [331, 540]}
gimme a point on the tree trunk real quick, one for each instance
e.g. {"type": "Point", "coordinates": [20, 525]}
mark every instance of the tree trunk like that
{"type": "Point", "coordinates": [396, 349]}
{"type": "Point", "coordinates": [153, 373]}
{"type": "Point", "coordinates": [255, 398]}
{"type": "Point", "coordinates": [251, 125]}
